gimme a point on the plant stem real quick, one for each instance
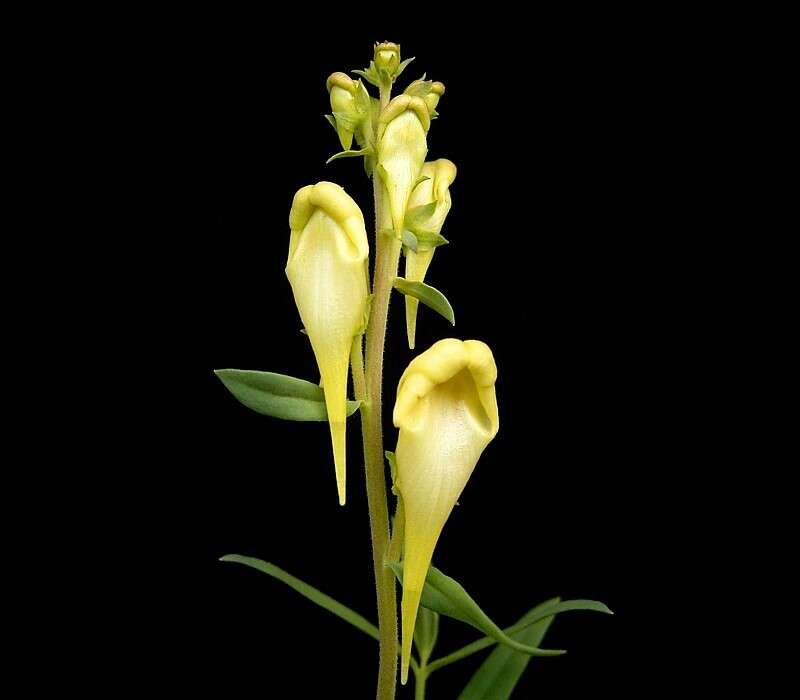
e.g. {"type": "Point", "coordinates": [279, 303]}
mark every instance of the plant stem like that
{"type": "Point", "coordinates": [420, 679]}
{"type": "Point", "coordinates": [387, 256]}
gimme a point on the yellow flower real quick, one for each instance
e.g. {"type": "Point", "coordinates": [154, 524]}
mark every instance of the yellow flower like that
{"type": "Point", "coordinates": [441, 174]}
{"type": "Point", "coordinates": [342, 91]}
{"type": "Point", "coordinates": [402, 147]}
{"type": "Point", "coordinates": [446, 411]}
{"type": "Point", "coordinates": [327, 268]}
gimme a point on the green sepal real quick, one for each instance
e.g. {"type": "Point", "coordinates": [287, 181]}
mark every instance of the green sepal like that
{"type": "Point", "coordinates": [370, 74]}
{"type": "Point", "coordinates": [365, 319]}
{"type": "Point", "coordinates": [363, 100]}
{"type": "Point", "coordinates": [446, 596]}
{"type": "Point", "coordinates": [369, 165]}
{"type": "Point", "coordinates": [417, 215]}
{"type": "Point", "coordinates": [497, 676]}
{"type": "Point", "coordinates": [346, 121]}
{"type": "Point", "coordinates": [419, 181]}
{"type": "Point", "coordinates": [426, 240]}
{"type": "Point", "coordinates": [430, 296]}
{"type": "Point", "coordinates": [385, 76]}
{"type": "Point", "coordinates": [409, 240]}
{"type": "Point", "coordinates": [332, 121]}
{"type": "Point", "coordinates": [419, 88]}
{"type": "Point", "coordinates": [278, 395]}
{"type": "Point", "coordinates": [403, 65]}
{"type": "Point", "coordinates": [426, 632]}
{"type": "Point", "coordinates": [350, 154]}
{"type": "Point", "coordinates": [392, 470]}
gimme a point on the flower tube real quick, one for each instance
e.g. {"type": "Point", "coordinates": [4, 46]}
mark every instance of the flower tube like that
{"type": "Point", "coordinates": [327, 269]}
{"type": "Point", "coordinates": [446, 411]}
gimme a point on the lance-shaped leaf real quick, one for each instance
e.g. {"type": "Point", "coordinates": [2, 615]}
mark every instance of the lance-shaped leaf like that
{"type": "Point", "coordinates": [430, 296]}
{"type": "Point", "coordinates": [446, 411]}
{"type": "Point", "coordinates": [278, 395]}
{"type": "Point", "coordinates": [446, 596]}
{"type": "Point", "coordinates": [313, 594]}
{"type": "Point", "coordinates": [327, 268]}
{"type": "Point", "coordinates": [402, 146]}
{"type": "Point", "coordinates": [429, 205]}
{"type": "Point", "coordinates": [500, 672]}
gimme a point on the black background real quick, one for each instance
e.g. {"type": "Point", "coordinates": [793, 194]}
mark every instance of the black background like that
{"type": "Point", "coordinates": [563, 239]}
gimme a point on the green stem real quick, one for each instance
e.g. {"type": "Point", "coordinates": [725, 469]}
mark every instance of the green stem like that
{"type": "Point", "coordinates": [387, 256]}
{"type": "Point", "coordinates": [420, 680]}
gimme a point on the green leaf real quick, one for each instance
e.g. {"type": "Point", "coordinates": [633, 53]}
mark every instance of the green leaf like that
{"type": "Point", "coordinates": [430, 296]}
{"type": "Point", "coordinates": [418, 215]}
{"type": "Point", "coordinates": [350, 154]}
{"type": "Point", "coordinates": [313, 594]}
{"type": "Point", "coordinates": [500, 672]}
{"type": "Point", "coordinates": [566, 606]}
{"type": "Point", "coordinates": [278, 395]}
{"type": "Point", "coordinates": [539, 613]}
{"type": "Point", "coordinates": [402, 67]}
{"type": "Point", "coordinates": [446, 596]}
{"type": "Point", "coordinates": [426, 632]}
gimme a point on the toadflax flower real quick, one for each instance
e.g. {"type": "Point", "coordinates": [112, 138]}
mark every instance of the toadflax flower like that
{"type": "Point", "coordinates": [446, 411]}
{"type": "Point", "coordinates": [402, 147]}
{"type": "Point", "coordinates": [350, 107]}
{"type": "Point", "coordinates": [327, 268]}
{"type": "Point", "coordinates": [436, 189]}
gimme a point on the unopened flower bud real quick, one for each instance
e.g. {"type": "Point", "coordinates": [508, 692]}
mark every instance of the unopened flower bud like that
{"type": "Point", "coordinates": [387, 56]}
{"type": "Point", "coordinates": [342, 91]}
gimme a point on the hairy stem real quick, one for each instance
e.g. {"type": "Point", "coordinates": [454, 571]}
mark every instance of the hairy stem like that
{"type": "Point", "coordinates": [387, 256]}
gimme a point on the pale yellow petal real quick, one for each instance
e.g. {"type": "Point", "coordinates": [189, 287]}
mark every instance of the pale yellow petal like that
{"type": "Point", "coordinates": [401, 152]}
{"type": "Point", "coordinates": [327, 270]}
{"type": "Point", "coordinates": [447, 414]}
